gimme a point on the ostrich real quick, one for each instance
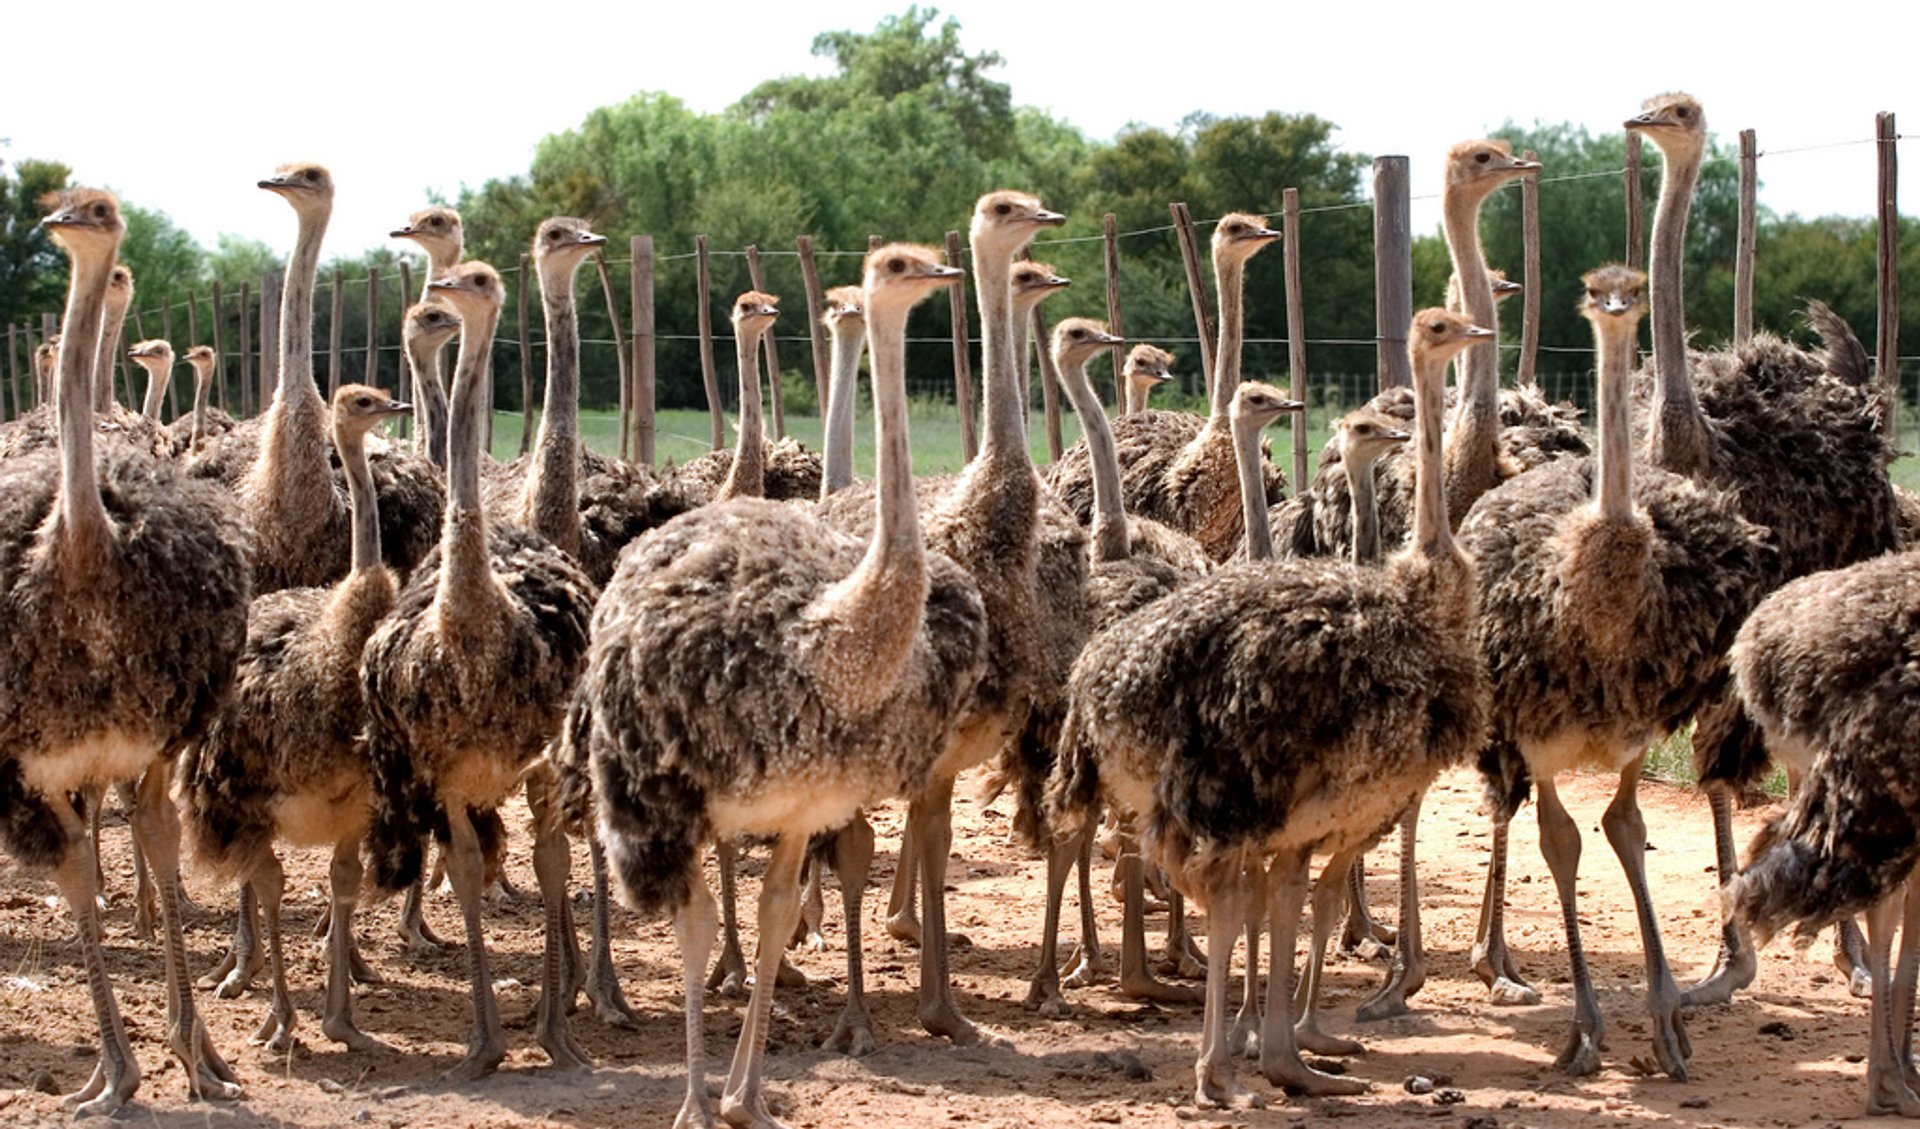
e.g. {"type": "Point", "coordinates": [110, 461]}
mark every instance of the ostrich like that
{"type": "Point", "coordinates": [285, 760]}
{"type": "Point", "coordinates": [424, 332]}
{"type": "Point", "coordinates": [1609, 596]}
{"type": "Point", "coordinates": [755, 467]}
{"type": "Point", "coordinates": [438, 232]}
{"type": "Point", "coordinates": [126, 589]}
{"type": "Point", "coordinates": [1794, 438]}
{"type": "Point", "coordinates": [1827, 667]}
{"type": "Point", "coordinates": [1134, 562]}
{"type": "Point", "coordinates": [119, 300]}
{"type": "Point", "coordinates": [39, 430]}
{"type": "Point", "coordinates": [1276, 709]}
{"type": "Point", "coordinates": [466, 683]}
{"type": "Point", "coordinates": [845, 317]}
{"type": "Point", "coordinates": [206, 420]}
{"type": "Point", "coordinates": [46, 362]}
{"type": "Point", "coordinates": [155, 356]}
{"type": "Point", "coordinates": [1147, 368]}
{"type": "Point", "coordinates": [754, 671]}
{"type": "Point", "coordinates": [270, 461]}
{"type": "Point", "coordinates": [1175, 469]}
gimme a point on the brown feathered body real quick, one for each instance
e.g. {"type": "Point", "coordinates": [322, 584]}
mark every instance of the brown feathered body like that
{"type": "Point", "coordinates": [109, 663]}
{"type": "Point", "coordinates": [180, 431]}
{"type": "Point", "coordinates": [1175, 469]}
{"type": "Point", "coordinates": [710, 608]}
{"type": "Point", "coordinates": [1274, 705]}
{"type": "Point", "coordinates": [1600, 636]}
{"type": "Point", "coordinates": [37, 430]}
{"type": "Point", "coordinates": [1829, 666]}
{"type": "Point", "coordinates": [287, 759]}
{"type": "Point", "coordinates": [466, 682]}
{"type": "Point", "coordinates": [792, 471]}
{"type": "Point", "coordinates": [618, 501]}
{"type": "Point", "coordinates": [411, 490]}
{"type": "Point", "coordinates": [1318, 521]}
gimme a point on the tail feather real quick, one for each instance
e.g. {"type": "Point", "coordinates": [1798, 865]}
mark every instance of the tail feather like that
{"type": "Point", "coordinates": [1830, 856]}
{"type": "Point", "coordinates": [1073, 787]}
{"type": "Point", "coordinates": [1843, 355]}
{"type": "Point", "coordinates": [404, 811]}
{"type": "Point", "coordinates": [1504, 773]}
{"type": "Point", "coordinates": [28, 824]}
{"type": "Point", "coordinates": [652, 826]}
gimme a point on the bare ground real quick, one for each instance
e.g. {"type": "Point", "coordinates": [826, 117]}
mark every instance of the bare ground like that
{"type": "Point", "coordinates": [1788, 1051]}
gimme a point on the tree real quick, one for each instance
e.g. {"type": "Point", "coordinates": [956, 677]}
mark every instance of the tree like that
{"type": "Point", "coordinates": [33, 273]}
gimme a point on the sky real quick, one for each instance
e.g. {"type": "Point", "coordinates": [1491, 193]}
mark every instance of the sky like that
{"type": "Point", "coordinates": [183, 107]}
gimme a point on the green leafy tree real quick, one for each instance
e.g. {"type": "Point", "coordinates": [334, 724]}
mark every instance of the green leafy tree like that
{"type": "Point", "coordinates": [33, 273]}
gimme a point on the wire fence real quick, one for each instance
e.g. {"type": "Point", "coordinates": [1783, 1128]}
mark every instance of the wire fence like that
{"type": "Point", "coordinates": [357, 327]}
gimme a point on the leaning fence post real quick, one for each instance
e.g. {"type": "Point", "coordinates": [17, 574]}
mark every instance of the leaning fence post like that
{"type": "Point", "coordinates": [338, 304]}
{"type": "Point", "coordinates": [759, 282]}
{"type": "Point", "coordinates": [619, 344]}
{"type": "Point", "coordinates": [816, 331]}
{"type": "Point", "coordinates": [1392, 270]}
{"type": "Point", "coordinates": [1197, 290]}
{"type": "Point", "coordinates": [1530, 268]}
{"type": "Point", "coordinates": [247, 405]}
{"type": "Point", "coordinates": [1888, 352]}
{"type": "Point", "coordinates": [1110, 230]}
{"type": "Point", "coordinates": [643, 348]}
{"type": "Point", "coordinates": [704, 281]}
{"type": "Point", "coordinates": [962, 369]}
{"type": "Point", "coordinates": [219, 354]}
{"type": "Point", "coordinates": [13, 374]}
{"type": "Point", "coordinates": [166, 331]}
{"type": "Point", "coordinates": [1744, 244]}
{"type": "Point", "coordinates": [1296, 330]}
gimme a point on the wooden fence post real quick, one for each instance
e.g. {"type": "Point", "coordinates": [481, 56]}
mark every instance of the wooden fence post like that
{"type": "Point", "coordinates": [1110, 229]}
{"type": "Point", "coordinates": [404, 371]}
{"type": "Point", "coordinates": [1197, 290]}
{"type": "Point", "coordinates": [371, 373]}
{"type": "Point", "coordinates": [1744, 244]}
{"type": "Point", "coordinates": [1888, 352]}
{"type": "Point", "coordinates": [13, 375]}
{"type": "Point", "coordinates": [962, 368]}
{"type": "Point", "coordinates": [619, 343]}
{"type": "Point", "coordinates": [704, 281]}
{"type": "Point", "coordinates": [333, 337]}
{"type": "Point", "coordinates": [33, 369]}
{"type": "Point", "coordinates": [1636, 235]}
{"type": "Point", "coordinates": [759, 283]}
{"type": "Point", "coordinates": [816, 330]}
{"type": "Point", "coordinates": [1392, 270]}
{"type": "Point", "coordinates": [1049, 386]}
{"type": "Point", "coordinates": [247, 388]}
{"type": "Point", "coordinates": [219, 354]}
{"type": "Point", "coordinates": [1530, 268]}
{"type": "Point", "coordinates": [1296, 330]}
{"type": "Point", "coordinates": [526, 360]}
{"type": "Point", "coordinates": [270, 285]}
{"type": "Point", "coordinates": [641, 273]}
{"type": "Point", "coordinates": [166, 331]}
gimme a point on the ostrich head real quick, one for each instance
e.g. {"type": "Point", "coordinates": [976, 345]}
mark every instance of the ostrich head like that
{"type": "Point", "coordinates": [900, 274]}
{"type": "Point", "coordinates": [358, 408]}
{"type": "Point", "coordinates": [1481, 166]}
{"type": "Point", "coordinates": [1613, 291]}
{"type": "Point", "coordinates": [563, 243]}
{"type": "Point", "coordinates": [470, 290]}
{"type": "Point", "coordinates": [305, 185]}
{"type": "Point", "coordinates": [1078, 340]}
{"type": "Point", "coordinates": [1438, 334]}
{"type": "Point", "coordinates": [845, 309]}
{"type": "Point", "coordinates": [436, 230]}
{"type": "Point", "coordinates": [1239, 235]}
{"type": "Point", "coordinates": [155, 355]}
{"type": "Point", "coordinates": [430, 323]}
{"type": "Point", "coordinates": [1149, 363]}
{"type": "Point", "coordinates": [753, 313]}
{"type": "Point", "coordinates": [201, 358]}
{"type": "Point", "coordinates": [1367, 435]}
{"type": "Point", "coordinates": [1004, 221]}
{"type": "Point", "coordinates": [1033, 282]}
{"type": "Point", "coordinates": [1257, 404]}
{"type": "Point", "coordinates": [81, 219]}
{"type": "Point", "coordinates": [1674, 122]}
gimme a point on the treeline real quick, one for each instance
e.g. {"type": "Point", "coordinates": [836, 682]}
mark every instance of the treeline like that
{"type": "Point", "coordinates": [909, 129]}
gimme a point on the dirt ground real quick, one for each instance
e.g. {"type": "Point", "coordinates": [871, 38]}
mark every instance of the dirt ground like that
{"type": "Point", "coordinates": [1788, 1051]}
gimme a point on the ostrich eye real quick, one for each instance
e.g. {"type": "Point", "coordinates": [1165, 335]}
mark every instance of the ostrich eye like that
{"type": "Point", "coordinates": [1483, 156]}
{"type": "Point", "coordinates": [310, 174]}
{"type": "Point", "coordinates": [896, 265]}
{"type": "Point", "coordinates": [1003, 209]}
{"type": "Point", "coordinates": [1438, 327]}
{"type": "Point", "coordinates": [100, 211]}
{"type": "Point", "coordinates": [1682, 112]}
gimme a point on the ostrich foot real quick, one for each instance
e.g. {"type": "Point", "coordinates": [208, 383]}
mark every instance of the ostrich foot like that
{"type": "Point", "coordinates": [344, 1032]}
{"type": "Point", "coordinates": [1671, 1047]}
{"type": "Point", "coordinates": [749, 1111]}
{"type": "Point", "coordinates": [1085, 969]}
{"type": "Point", "coordinates": [1733, 971]}
{"type": "Point", "coordinates": [483, 1058]}
{"type": "Point", "coordinates": [275, 1032]}
{"type": "Point", "coordinates": [1581, 1056]}
{"type": "Point", "coordinates": [208, 1075]}
{"type": "Point", "coordinates": [111, 1086]}
{"type": "Point", "coordinates": [790, 977]}
{"type": "Point", "coordinates": [1144, 985]}
{"type": "Point", "coordinates": [942, 1018]}
{"type": "Point", "coordinates": [853, 1035]}
{"type": "Point", "coordinates": [609, 1002]}
{"type": "Point", "coordinates": [1219, 1089]}
{"type": "Point", "coordinates": [1493, 964]}
{"type": "Point", "coordinates": [1296, 1077]}
{"type": "Point", "coordinates": [1308, 1035]}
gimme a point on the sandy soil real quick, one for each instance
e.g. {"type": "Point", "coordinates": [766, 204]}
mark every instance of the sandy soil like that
{"type": "Point", "coordinates": [1788, 1051]}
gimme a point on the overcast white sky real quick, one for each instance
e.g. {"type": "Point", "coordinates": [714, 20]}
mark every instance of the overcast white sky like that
{"type": "Point", "coordinates": [182, 107]}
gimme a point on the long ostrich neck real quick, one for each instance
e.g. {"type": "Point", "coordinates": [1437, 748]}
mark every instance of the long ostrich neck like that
{"type": "Point", "coordinates": [464, 567]}
{"type": "Point", "coordinates": [747, 477]}
{"type": "Point", "coordinates": [156, 390]}
{"type": "Point", "coordinates": [1110, 534]}
{"type": "Point", "coordinates": [352, 444]}
{"type": "Point", "coordinates": [551, 503]}
{"type": "Point", "coordinates": [430, 396]}
{"type": "Point", "coordinates": [1677, 433]}
{"type": "Point", "coordinates": [837, 461]}
{"type": "Point", "coordinates": [1473, 451]}
{"type": "Point", "coordinates": [441, 258]}
{"type": "Point", "coordinates": [1614, 340]}
{"type": "Point", "coordinates": [1006, 436]}
{"type": "Point", "coordinates": [83, 520]}
{"type": "Point", "coordinates": [877, 611]}
{"type": "Point", "coordinates": [109, 333]}
{"type": "Point", "coordinates": [1366, 510]}
{"type": "Point", "coordinates": [1432, 537]}
{"type": "Point", "coordinates": [1230, 272]}
{"type": "Point", "coordinates": [296, 316]}
{"type": "Point", "coordinates": [1253, 488]}
{"type": "Point", "coordinates": [1137, 390]}
{"type": "Point", "coordinates": [202, 380]}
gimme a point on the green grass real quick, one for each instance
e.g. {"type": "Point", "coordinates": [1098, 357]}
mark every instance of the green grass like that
{"type": "Point", "coordinates": [681, 434]}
